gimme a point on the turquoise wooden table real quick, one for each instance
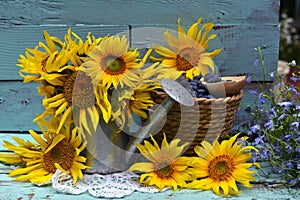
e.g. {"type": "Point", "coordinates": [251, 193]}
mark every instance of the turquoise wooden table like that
{"type": "Point", "coordinates": [240, 25]}
{"type": "Point", "coordinates": [263, 188]}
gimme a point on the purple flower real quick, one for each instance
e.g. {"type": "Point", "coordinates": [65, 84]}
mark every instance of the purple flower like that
{"type": "Point", "coordinates": [269, 124]}
{"type": "Point", "coordinates": [288, 136]}
{"type": "Point", "coordinates": [296, 124]}
{"type": "Point", "coordinates": [256, 62]}
{"type": "Point", "coordinates": [263, 154]}
{"type": "Point", "coordinates": [252, 92]}
{"type": "Point", "coordinates": [289, 149]}
{"type": "Point", "coordinates": [294, 79]}
{"type": "Point", "coordinates": [281, 117]}
{"type": "Point", "coordinates": [285, 104]}
{"type": "Point", "coordinates": [255, 128]}
{"type": "Point", "coordinates": [273, 112]}
{"type": "Point", "coordinates": [292, 88]}
{"type": "Point", "coordinates": [298, 165]}
{"type": "Point", "coordinates": [259, 140]}
{"type": "Point", "coordinates": [254, 157]}
{"type": "Point", "coordinates": [279, 84]}
{"type": "Point", "coordinates": [289, 165]}
{"type": "Point", "coordinates": [292, 182]}
{"type": "Point", "coordinates": [277, 149]}
{"type": "Point", "coordinates": [298, 107]}
{"type": "Point", "coordinates": [248, 78]}
{"type": "Point", "coordinates": [261, 98]}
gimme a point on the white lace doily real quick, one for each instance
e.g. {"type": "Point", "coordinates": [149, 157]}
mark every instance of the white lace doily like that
{"type": "Point", "coordinates": [115, 185]}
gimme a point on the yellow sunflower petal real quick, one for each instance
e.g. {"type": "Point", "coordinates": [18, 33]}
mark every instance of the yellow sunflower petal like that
{"type": "Point", "coordinates": [142, 167]}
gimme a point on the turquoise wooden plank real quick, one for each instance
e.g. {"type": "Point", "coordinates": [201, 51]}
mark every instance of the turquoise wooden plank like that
{"type": "Point", "coordinates": [29, 191]}
{"type": "Point", "coordinates": [132, 12]}
{"type": "Point", "coordinates": [241, 26]}
{"type": "Point", "coordinates": [15, 39]}
{"type": "Point", "coordinates": [19, 105]}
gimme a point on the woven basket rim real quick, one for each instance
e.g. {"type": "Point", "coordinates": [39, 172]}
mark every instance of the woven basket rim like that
{"type": "Point", "coordinates": [236, 96]}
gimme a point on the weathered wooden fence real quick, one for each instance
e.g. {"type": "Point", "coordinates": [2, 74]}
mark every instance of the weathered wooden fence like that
{"type": "Point", "coordinates": [240, 25]}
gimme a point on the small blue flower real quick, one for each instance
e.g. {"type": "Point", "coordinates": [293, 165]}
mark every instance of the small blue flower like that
{"type": "Point", "coordinates": [288, 136]}
{"type": "Point", "coordinates": [261, 98]}
{"type": "Point", "coordinates": [298, 165]}
{"type": "Point", "coordinates": [298, 107]}
{"type": "Point", "coordinates": [256, 62]}
{"type": "Point", "coordinates": [294, 79]}
{"type": "Point", "coordinates": [277, 149]}
{"type": "Point", "coordinates": [255, 128]}
{"type": "Point", "coordinates": [259, 140]}
{"type": "Point", "coordinates": [294, 124]}
{"type": "Point", "coordinates": [264, 154]}
{"type": "Point", "coordinates": [292, 182]}
{"type": "Point", "coordinates": [273, 112]}
{"type": "Point", "coordinates": [248, 78]}
{"type": "Point", "coordinates": [279, 84]}
{"type": "Point", "coordinates": [289, 165]}
{"type": "Point", "coordinates": [293, 90]}
{"type": "Point", "coordinates": [289, 149]}
{"type": "Point", "coordinates": [252, 92]}
{"type": "Point", "coordinates": [281, 117]}
{"type": "Point", "coordinates": [286, 104]}
{"type": "Point", "coordinates": [269, 124]}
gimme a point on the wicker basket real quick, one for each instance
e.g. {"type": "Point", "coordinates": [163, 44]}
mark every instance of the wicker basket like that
{"type": "Point", "coordinates": [213, 117]}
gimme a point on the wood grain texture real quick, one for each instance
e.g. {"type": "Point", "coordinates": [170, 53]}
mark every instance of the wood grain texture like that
{"type": "Point", "coordinates": [241, 26]}
{"type": "Point", "coordinates": [263, 188]}
{"type": "Point", "coordinates": [15, 39]}
{"type": "Point", "coordinates": [133, 12]}
{"type": "Point", "coordinates": [19, 105]}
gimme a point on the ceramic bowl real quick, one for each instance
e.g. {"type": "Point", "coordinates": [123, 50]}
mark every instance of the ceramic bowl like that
{"type": "Point", "coordinates": [229, 86]}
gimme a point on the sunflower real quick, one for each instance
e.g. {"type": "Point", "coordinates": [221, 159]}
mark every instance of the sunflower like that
{"type": "Point", "coordinates": [76, 97]}
{"type": "Point", "coordinates": [73, 92]}
{"type": "Point", "coordinates": [187, 54]}
{"type": "Point", "coordinates": [44, 62]}
{"type": "Point", "coordinates": [166, 167]}
{"type": "Point", "coordinates": [57, 151]}
{"type": "Point", "coordinates": [79, 48]}
{"type": "Point", "coordinates": [221, 166]}
{"type": "Point", "coordinates": [111, 63]}
{"type": "Point", "coordinates": [134, 100]}
{"type": "Point", "coordinates": [13, 158]}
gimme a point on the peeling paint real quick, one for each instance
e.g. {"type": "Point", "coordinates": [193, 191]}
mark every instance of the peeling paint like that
{"type": "Point", "coordinates": [30, 196]}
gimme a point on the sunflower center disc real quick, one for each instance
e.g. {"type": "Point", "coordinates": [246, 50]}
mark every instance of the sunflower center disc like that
{"type": "Point", "coordinates": [221, 168]}
{"type": "Point", "coordinates": [114, 65]}
{"type": "Point", "coordinates": [62, 153]}
{"type": "Point", "coordinates": [187, 58]}
{"type": "Point", "coordinates": [78, 89]}
{"type": "Point", "coordinates": [164, 170]}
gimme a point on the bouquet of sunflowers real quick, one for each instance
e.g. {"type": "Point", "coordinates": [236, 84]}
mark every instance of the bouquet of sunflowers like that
{"type": "Point", "coordinates": [87, 81]}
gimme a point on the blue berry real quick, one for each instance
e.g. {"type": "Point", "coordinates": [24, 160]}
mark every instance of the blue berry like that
{"type": "Point", "coordinates": [199, 88]}
{"type": "Point", "coordinates": [212, 78]}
